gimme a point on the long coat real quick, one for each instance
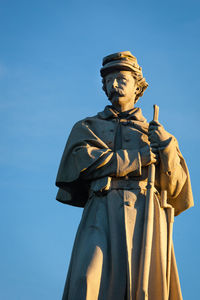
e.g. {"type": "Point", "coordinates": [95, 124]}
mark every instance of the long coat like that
{"type": "Point", "coordinates": [101, 171]}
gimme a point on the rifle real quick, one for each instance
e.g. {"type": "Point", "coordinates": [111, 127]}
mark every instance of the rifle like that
{"type": "Point", "coordinates": [142, 293]}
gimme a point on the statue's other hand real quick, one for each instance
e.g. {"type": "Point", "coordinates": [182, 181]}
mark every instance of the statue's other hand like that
{"type": "Point", "coordinates": [158, 135]}
{"type": "Point", "coordinates": [148, 157]}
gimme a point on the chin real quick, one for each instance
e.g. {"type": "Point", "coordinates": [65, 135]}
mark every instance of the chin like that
{"type": "Point", "coordinates": [119, 99]}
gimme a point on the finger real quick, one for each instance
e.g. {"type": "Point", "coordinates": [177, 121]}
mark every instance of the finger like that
{"type": "Point", "coordinates": [155, 150]}
{"type": "Point", "coordinates": [153, 128]}
{"type": "Point", "coordinates": [154, 123]}
{"type": "Point", "coordinates": [154, 145]}
{"type": "Point", "coordinates": [153, 155]}
{"type": "Point", "coordinates": [153, 161]}
{"type": "Point", "coordinates": [151, 133]}
{"type": "Point", "coordinates": [152, 139]}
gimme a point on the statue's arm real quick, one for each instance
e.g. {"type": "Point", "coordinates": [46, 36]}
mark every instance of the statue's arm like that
{"type": "Point", "coordinates": [117, 164]}
{"type": "Point", "coordinates": [172, 173]}
{"type": "Point", "coordinates": [106, 162]}
{"type": "Point", "coordinates": [121, 163]}
{"type": "Point", "coordinates": [89, 157]}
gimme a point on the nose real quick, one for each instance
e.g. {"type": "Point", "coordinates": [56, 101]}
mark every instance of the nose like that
{"type": "Point", "coordinates": [115, 83]}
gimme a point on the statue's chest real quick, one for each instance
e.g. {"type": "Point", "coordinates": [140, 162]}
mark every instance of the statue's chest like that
{"type": "Point", "coordinates": [122, 135]}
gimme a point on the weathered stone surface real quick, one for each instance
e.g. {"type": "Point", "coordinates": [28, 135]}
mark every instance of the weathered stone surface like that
{"type": "Point", "coordinates": [123, 248]}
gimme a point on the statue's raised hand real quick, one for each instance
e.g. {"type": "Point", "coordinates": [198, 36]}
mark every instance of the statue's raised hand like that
{"type": "Point", "coordinates": [158, 136]}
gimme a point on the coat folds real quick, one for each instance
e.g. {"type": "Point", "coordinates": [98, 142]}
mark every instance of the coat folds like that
{"type": "Point", "coordinates": [101, 171]}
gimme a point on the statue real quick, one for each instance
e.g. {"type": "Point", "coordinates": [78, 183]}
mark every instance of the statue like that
{"type": "Point", "coordinates": [123, 248]}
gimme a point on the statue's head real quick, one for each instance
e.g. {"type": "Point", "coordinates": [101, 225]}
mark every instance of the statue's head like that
{"type": "Point", "coordinates": [122, 75]}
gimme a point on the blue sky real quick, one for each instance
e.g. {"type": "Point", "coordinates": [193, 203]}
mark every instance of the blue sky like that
{"type": "Point", "coordinates": [50, 56]}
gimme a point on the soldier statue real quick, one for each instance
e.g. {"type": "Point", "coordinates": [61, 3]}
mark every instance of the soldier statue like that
{"type": "Point", "coordinates": [123, 249]}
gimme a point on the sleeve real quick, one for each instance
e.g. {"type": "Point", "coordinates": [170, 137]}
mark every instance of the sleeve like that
{"type": "Point", "coordinates": [172, 174]}
{"type": "Point", "coordinates": [87, 156]}
{"type": "Point", "coordinates": [117, 164]}
{"type": "Point", "coordinates": [174, 177]}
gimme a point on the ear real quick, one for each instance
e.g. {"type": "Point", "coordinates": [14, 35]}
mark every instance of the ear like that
{"type": "Point", "coordinates": [138, 90]}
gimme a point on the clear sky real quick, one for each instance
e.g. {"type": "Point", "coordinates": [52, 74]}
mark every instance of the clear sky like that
{"type": "Point", "coordinates": [50, 56]}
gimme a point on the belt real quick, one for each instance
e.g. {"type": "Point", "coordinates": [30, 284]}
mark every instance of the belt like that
{"type": "Point", "coordinates": [129, 184]}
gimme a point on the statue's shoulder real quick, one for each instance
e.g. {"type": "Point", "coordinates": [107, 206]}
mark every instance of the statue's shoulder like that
{"type": "Point", "coordinates": [87, 122]}
{"type": "Point", "coordinates": [91, 119]}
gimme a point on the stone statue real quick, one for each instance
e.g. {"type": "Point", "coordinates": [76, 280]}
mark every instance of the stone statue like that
{"type": "Point", "coordinates": [123, 248]}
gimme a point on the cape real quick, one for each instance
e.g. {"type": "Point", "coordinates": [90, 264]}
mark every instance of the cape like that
{"type": "Point", "coordinates": [89, 145]}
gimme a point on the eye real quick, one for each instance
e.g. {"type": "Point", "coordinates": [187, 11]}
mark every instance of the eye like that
{"type": "Point", "coordinates": [122, 79]}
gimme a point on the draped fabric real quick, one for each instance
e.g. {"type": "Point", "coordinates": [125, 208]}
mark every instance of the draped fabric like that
{"type": "Point", "coordinates": [101, 171]}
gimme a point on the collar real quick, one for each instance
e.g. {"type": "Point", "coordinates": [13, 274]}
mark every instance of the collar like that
{"type": "Point", "coordinates": [111, 113]}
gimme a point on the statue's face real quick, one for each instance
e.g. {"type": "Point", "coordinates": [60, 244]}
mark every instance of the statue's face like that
{"type": "Point", "coordinates": [120, 84]}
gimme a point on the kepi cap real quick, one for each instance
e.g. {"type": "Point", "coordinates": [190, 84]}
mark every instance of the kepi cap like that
{"type": "Point", "coordinates": [120, 61]}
